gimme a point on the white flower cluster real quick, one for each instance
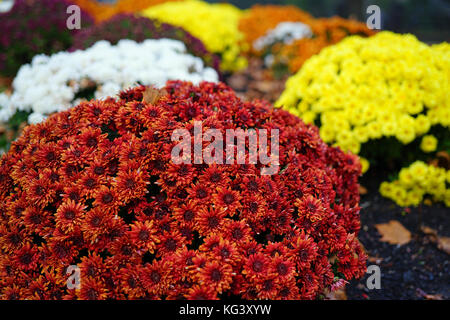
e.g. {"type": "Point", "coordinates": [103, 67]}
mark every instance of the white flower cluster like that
{"type": "Point", "coordinates": [51, 83]}
{"type": "Point", "coordinates": [6, 109]}
{"type": "Point", "coordinates": [6, 5]}
{"type": "Point", "coordinates": [285, 32]}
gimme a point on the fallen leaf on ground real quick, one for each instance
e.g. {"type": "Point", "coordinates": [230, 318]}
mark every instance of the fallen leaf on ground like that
{"type": "Point", "coordinates": [430, 232]}
{"type": "Point", "coordinates": [238, 82]}
{"type": "Point", "coordinates": [263, 86]}
{"type": "Point", "coordinates": [443, 243]}
{"type": "Point", "coordinates": [393, 232]}
{"type": "Point", "coordinates": [427, 296]}
{"type": "Point", "coordinates": [362, 190]}
{"type": "Point", "coordinates": [442, 160]}
{"type": "Point", "coordinates": [336, 295]}
{"type": "Point", "coordinates": [5, 82]}
{"type": "Point", "coordinates": [375, 260]}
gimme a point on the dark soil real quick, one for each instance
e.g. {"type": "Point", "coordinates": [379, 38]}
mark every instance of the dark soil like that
{"type": "Point", "coordinates": [414, 270]}
{"type": "Point", "coordinates": [257, 82]}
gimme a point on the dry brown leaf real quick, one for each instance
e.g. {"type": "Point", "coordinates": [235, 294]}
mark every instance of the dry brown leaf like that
{"type": "Point", "coordinates": [433, 297]}
{"type": "Point", "coordinates": [336, 295]}
{"type": "Point", "coordinates": [431, 233]}
{"type": "Point", "coordinates": [393, 232]}
{"type": "Point", "coordinates": [332, 259]}
{"type": "Point", "coordinates": [442, 160]}
{"type": "Point", "coordinates": [362, 190]}
{"type": "Point", "coordinates": [375, 260]}
{"type": "Point", "coordinates": [6, 82]}
{"type": "Point", "coordinates": [238, 82]}
{"type": "Point", "coordinates": [263, 86]}
{"type": "Point", "coordinates": [443, 243]}
{"type": "Point", "coordinates": [423, 294]}
{"type": "Point", "coordinates": [428, 230]}
{"type": "Point", "coordinates": [152, 95]}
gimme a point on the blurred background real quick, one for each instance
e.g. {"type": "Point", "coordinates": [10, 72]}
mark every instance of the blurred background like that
{"type": "Point", "coordinates": [429, 20]}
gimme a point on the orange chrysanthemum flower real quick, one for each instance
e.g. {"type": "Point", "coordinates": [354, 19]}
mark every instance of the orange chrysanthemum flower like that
{"type": "Point", "coordinates": [69, 215]}
{"type": "Point", "coordinates": [327, 31]}
{"type": "Point", "coordinates": [143, 234]}
{"type": "Point", "coordinates": [257, 21]}
{"type": "Point", "coordinates": [95, 186]}
{"type": "Point", "coordinates": [217, 275]}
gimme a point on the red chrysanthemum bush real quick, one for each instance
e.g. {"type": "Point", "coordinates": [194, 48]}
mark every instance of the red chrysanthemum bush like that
{"type": "Point", "coordinates": [95, 187]}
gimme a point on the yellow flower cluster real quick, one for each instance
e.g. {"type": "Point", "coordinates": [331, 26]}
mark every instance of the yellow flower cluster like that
{"type": "Point", "coordinates": [217, 25]}
{"type": "Point", "coordinates": [388, 85]}
{"type": "Point", "coordinates": [415, 182]}
{"type": "Point", "coordinates": [429, 143]}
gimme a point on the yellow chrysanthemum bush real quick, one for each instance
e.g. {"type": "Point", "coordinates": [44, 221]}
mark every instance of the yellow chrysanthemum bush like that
{"type": "Point", "coordinates": [385, 98]}
{"type": "Point", "coordinates": [215, 24]}
{"type": "Point", "coordinates": [418, 182]}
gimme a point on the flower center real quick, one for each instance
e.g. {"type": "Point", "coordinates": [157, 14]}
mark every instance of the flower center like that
{"type": "Point", "coordinates": [213, 222]}
{"type": "Point", "coordinates": [107, 198]}
{"type": "Point", "coordinates": [216, 275]}
{"type": "Point", "coordinates": [155, 277]}
{"type": "Point", "coordinates": [143, 235]}
{"type": "Point", "coordinates": [282, 269]}
{"type": "Point", "coordinates": [228, 198]}
{"type": "Point", "coordinates": [188, 215]}
{"type": "Point", "coordinates": [257, 266]}
{"type": "Point", "coordinates": [170, 245]}
{"type": "Point", "coordinates": [69, 214]}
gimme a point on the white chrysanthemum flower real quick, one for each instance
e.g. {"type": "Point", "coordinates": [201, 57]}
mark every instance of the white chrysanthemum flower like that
{"type": "Point", "coordinates": [6, 110]}
{"type": "Point", "coordinates": [53, 83]}
{"type": "Point", "coordinates": [285, 32]}
{"type": "Point", "coordinates": [108, 89]}
{"type": "Point", "coordinates": [36, 118]}
{"type": "Point", "coordinates": [6, 5]}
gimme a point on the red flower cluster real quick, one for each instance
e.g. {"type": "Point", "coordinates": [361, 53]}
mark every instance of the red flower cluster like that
{"type": "Point", "coordinates": [95, 187]}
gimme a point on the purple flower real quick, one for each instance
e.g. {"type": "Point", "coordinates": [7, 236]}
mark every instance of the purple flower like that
{"type": "Point", "coordinates": [32, 27]}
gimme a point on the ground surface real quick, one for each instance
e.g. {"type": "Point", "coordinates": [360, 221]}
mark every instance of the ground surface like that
{"type": "Point", "coordinates": [416, 270]}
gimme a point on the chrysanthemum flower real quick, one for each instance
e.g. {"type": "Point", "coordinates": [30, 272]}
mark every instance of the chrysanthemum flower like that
{"type": "Point", "coordinates": [156, 277]}
{"type": "Point", "coordinates": [210, 220]}
{"type": "Point", "coordinates": [217, 275]}
{"type": "Point", "coordinates": [228, 199]}
{"type": "Point", "coordinates": [92, 290]}
{"type": "Point", "coordinates": [95, 186]}
{"type": "Point", "coordinates": [186, 213]}
{"type": "Point", "coordinates": [257, 265]}
{"type": "Point", "coordinates": [201, 293]}
{"type": "Point", "coordinates": [69, 215]}
{"type": "Point", "coordinates": [143, 235]}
